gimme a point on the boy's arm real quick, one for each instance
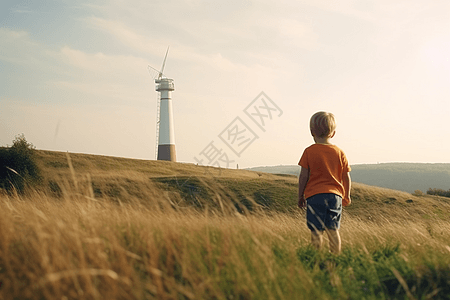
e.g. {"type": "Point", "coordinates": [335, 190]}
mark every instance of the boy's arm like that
{"type": "Point", "coordinates": [347, 182]}
{"type": "Point", "coordinates": [302, 181]}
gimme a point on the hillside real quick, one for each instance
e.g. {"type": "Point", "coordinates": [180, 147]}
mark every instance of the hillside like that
{"type": "Point", "coordinates": [125, 180]}
{"type": "Point", "coordinates": [112, 228]}
{"type": "Point", "coordinates": [406, 177]}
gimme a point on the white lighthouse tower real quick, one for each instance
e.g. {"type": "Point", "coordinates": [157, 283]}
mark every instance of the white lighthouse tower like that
{"type": "Point", "coordinates": [164, 124]}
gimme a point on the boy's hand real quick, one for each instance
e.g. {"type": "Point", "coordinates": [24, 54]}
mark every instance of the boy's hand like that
{"type": "Point", "coordinates": [302, 181]}
{"type": "Point", "coordinates": [347, 182]}
{"type": "Point", "coordinates": [301, 202]}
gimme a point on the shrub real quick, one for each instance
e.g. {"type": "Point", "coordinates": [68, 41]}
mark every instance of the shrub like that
{"type": "Point", "coordinates": [418, 193]}
{"type": "Point", "coordinates": [438, 192]}
{"type": "Point", "coordinates": [18, 167]}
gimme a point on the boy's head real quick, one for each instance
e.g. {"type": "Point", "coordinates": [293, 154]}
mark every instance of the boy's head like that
{"type": "Point", "coordinates": [322, 124]}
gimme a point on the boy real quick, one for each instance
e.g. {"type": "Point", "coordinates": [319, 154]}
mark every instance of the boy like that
{"type": "Point", "coordinates": [324, 182]}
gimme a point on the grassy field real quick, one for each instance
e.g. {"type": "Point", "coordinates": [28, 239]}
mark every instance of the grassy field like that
{"type": "Point", "coordinates": [113, 228]}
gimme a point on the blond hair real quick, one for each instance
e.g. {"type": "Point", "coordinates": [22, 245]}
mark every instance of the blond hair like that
{"type": "Point", "coordinates": [322, 124]}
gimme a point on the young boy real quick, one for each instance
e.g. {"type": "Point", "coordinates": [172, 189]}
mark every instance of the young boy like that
{"type": "Point", "coordinates": [324, 182]}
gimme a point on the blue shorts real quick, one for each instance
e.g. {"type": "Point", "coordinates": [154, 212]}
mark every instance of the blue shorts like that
{"type": "Point", "coordinates": [324, 211]}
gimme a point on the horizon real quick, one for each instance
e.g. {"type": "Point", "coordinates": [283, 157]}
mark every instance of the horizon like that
{"type": "Point", "coordinates": [244, 168]}
{"type": "Point", "coordinates": [75, 77]}
{"type": "Point", "coordinates": [377, 163]}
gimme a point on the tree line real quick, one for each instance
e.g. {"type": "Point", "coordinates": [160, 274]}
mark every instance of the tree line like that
{"type": "Point", "coordinates": [438, 192]}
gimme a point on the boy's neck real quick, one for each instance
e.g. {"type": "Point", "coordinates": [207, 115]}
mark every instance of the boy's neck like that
{"type": "Point", "coordinates": [322, 141]}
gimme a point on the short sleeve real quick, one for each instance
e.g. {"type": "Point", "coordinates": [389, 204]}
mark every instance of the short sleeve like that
{"type": "Point", "coordinates": [304, 160]}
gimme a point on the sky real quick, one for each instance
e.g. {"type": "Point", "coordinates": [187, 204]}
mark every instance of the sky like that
{"type": "Point", "coordinates": [248, 76]}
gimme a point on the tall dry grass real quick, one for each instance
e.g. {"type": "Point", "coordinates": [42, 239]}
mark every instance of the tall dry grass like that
{"type": "Point", "coordinates": [82, 248]}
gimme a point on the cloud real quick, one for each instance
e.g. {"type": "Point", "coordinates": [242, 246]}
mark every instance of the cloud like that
{"type": "Point", "coordinates": [149, 45]}
{"type": "Point", "coordinates": [23, 11]}
{"type": "Point", "coordinates": [295, 33]}
{"type": "Point", "coordinates": [16, 46]}
{"type": "Point", "coordinates": [126, 35]}
{"type": "Point", "coordinates": [102, 76]}
{"type": "Point", "coordinates": [220, 72]}
{"type": "Point", "coordinates": [101, 63]}
{"type": "Point", "coordinates": [12, 34]}
{"type": "Point", "coordinates": [19, 47]}
{"type": "Point", "coordinates": [104, 91]}
{"type": "Point", "coordinates": [75, 72]}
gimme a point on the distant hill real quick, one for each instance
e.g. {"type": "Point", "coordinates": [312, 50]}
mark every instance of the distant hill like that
{"type": "Point", "coordinates": [127, 181]}
{"type": "Point", "coordinates": [281, 169]}
{"type": "Point", "coordinates": [406, 177]}
{"type": "Point", "coordinates": [182, 185]}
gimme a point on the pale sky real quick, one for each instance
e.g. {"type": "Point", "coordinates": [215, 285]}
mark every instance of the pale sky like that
{"type": "Point", "coordinates": [74, 77]}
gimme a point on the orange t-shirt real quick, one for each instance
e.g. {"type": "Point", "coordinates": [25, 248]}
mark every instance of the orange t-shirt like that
{"type": "Point", "coordinates": [326, 164]}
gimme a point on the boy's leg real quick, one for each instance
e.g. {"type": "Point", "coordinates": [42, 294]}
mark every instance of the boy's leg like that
{"type": "Point", "coordinates": [317, 239]}
{"type": "Point", "coordinates": [335, 240]}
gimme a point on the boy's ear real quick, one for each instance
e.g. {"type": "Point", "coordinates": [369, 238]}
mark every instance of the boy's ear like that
{"type": "Point", "coordinates": [332, 135]}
